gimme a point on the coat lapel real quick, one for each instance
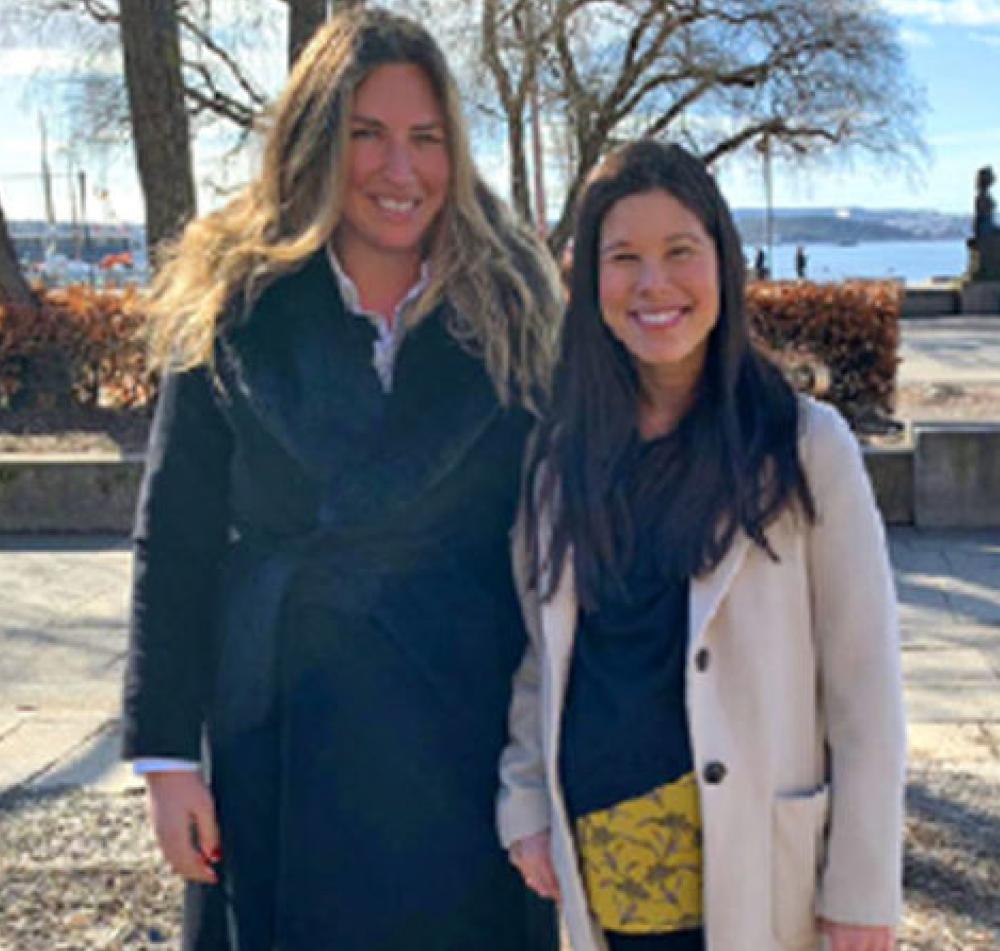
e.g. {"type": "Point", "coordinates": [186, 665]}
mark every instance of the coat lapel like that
{"type": "Point", "coordinates": [558, 618]}
{"type": "Point", "coordinates": [303, 365]}
{"type": "Point", "coordinates": [707, 591]}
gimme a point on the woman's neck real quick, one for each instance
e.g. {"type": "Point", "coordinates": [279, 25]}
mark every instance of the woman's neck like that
{"type": "Point", "coordinates": [382, 279]}
{"type": "Point", "coordinates": [665, 395]}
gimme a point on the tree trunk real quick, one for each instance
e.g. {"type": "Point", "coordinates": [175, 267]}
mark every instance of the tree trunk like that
{"type": "Point", "coordinates": [151, 46]}
{"type": "Point", "coordinates": [305, 17]}
{"type": "Point", "coordinates": [13, 287]}
{"type": "Point", "coordinates": [519, 190]}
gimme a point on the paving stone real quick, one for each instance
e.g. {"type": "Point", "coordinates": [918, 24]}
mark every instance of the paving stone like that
{"type": "Point", "coordinates": [943, 703]}
{"type": "Point", "coordinates": [40, 741]}
{"type": "Point", "coordinates": [96, 764]}
{"type": "Point", "coordinates": [947, 668]}
{"type": "Point", "coordinates": [63, 637]}
{"type": "Point", "coordinates": [956, 742]}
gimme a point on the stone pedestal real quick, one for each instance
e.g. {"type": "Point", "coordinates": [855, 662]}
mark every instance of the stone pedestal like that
{"type": "Point", "coordinates": [981, 292]}
{"type": "Point", "coordinates": [956, 475]}
{"type": "Point", "coordinates": [981, 297]}
{"type": "Point", "coordinates": [984, 257]}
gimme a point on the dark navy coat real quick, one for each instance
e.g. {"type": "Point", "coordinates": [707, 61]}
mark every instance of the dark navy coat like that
{"type": "Point", "coordinates": [323, 597]}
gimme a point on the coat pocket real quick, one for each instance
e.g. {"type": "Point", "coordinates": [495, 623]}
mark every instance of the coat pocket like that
{"type": "Point", "coordinates": [797, 854]}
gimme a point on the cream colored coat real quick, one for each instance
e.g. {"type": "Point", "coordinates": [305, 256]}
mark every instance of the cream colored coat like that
{"type": "Point", "coordinates": [800, 700]}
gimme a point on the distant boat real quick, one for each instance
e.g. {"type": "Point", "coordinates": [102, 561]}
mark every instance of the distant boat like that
{"type": "Point", "coordinates": [847, 242]}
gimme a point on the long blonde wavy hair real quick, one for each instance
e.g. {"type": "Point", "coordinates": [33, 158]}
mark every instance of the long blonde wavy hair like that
{"type": "Point", "coordinates": [499, 278]}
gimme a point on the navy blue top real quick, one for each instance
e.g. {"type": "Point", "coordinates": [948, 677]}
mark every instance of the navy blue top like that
{"type": "Point", "coordinates": [625, 729]}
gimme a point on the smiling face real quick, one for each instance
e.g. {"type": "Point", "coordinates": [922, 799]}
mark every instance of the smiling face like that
{"type": "Point", "coordinates": [659, 284]}
{"type": "Point", "coordinates": [398, 166]}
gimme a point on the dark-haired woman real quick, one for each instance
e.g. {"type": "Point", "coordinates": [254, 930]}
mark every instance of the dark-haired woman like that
{"type": "Point", "coordinates": [323, 593]}
{"type": "Point", "coordinates": [707, 736]}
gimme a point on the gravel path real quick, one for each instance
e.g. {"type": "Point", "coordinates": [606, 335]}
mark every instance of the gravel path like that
{"type": "Point", "coordinates": [78, 870]}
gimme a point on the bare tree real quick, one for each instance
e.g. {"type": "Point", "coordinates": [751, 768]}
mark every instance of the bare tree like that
{"type": "Point", "coordinates": [512, 58]}
{"type": "Point", "coordinates": [809, 79]}
{"type": "Point", "coordinates": [13, 287]}
{"type": "Point", "coordinates": [151, 47]}
{"type": "Point", "coordinates": [304, 18]}
{"type": "Point", "coordinates": [218, 50]}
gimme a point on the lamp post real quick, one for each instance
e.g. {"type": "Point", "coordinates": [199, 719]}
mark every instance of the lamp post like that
{"type": "Point", "coordinates": [765, 150]}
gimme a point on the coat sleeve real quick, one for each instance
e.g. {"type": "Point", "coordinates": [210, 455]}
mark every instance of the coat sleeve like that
{"type": "Point", "coordinates": [180, 534]}
{"type": "Point", "coordinates": [857, 636]}
{"type": "Point", "coordinates": [523, 805]}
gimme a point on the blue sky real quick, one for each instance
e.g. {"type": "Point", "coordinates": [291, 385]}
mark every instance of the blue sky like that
{"type": "Point", "coordinates": [954, 52]}
{"type": "Point", "coordinates": [953, 48]}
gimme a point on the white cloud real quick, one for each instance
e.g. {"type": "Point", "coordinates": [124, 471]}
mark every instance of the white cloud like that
{"type": "Point", "coordinates": [948, 12]}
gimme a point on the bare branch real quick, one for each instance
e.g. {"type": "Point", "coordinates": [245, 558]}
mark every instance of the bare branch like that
{"type": "Point", "coordinates": [257, 99]}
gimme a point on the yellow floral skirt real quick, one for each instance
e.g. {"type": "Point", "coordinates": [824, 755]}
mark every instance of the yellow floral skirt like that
{"type": "Point", "coordinates": [641, 861]}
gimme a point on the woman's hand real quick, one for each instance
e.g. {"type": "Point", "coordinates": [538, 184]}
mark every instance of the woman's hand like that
{"type": "Point", "coordinates": [183, 817]}
{"type": "Point", "coordinates": [533, 859]}
{"type": "Point", "coordinates": [858, 937]}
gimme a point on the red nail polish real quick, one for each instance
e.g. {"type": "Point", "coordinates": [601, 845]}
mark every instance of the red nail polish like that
{"type": "Point", "coordinates": [215, 855]}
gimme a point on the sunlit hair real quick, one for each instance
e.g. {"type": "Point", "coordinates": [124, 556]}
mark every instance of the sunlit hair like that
{"type": "Point", "coordinates": [498, 277]}
{"type": "Point", "coordinates": [733, 464]}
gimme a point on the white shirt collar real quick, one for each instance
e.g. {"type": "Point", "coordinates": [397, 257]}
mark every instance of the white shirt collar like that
{"type": "Point", "coordinates": [352, 298]}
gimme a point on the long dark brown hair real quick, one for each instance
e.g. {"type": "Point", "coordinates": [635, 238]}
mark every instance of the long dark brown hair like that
{"type": "Point", "coordinates": [732, 463]}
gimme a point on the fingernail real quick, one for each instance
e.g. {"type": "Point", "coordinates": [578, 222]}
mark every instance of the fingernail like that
{"type": "Point", "coordinates": [215, 855]}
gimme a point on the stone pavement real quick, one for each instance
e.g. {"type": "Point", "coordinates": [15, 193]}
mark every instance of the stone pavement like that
{"type": "Point", "coordinates": [963, 349]}
{"type": "Point", "coordinates": [62, 642]}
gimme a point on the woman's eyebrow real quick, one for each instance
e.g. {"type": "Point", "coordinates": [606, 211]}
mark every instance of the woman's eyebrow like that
{"type": "Point", "coordinates": [618, 243]}
{"type": "Point", "coordinates": [426, 126]}
{"type": "Point", "coordinates": [614, 245]}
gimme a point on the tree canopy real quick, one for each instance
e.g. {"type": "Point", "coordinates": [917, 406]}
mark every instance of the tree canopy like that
{"type": "Point", "coordinates": [805, 80]}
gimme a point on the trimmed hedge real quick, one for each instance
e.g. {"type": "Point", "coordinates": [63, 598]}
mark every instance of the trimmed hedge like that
{"type": "Point", "coordinates": [80, 346]}
{"type": "Point", "coordinates": [845, 336]}
{"type": "Point", "coordinates": [85, 347]}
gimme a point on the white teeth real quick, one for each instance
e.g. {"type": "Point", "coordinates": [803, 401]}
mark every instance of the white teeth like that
{"type": "Point", "coordinates": [659, 319]}
{"type": "Point", "coordinates": [397, 206]}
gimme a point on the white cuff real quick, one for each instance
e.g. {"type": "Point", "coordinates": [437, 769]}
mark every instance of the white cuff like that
{"type": "Point", "coordinates": [156, 764]}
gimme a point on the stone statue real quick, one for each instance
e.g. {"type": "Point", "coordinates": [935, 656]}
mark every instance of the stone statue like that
{"type": "Point", "coordinates": [983, 223]}
{"type": "Point", "coordinates": [981, 289]}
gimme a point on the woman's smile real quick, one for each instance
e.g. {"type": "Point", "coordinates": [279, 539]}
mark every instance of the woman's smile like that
{"type": "Point", "coordinates": [664, 319]}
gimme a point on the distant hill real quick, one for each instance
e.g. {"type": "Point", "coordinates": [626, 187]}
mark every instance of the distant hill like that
{"type": "Point", "coordinates": [850, 225]}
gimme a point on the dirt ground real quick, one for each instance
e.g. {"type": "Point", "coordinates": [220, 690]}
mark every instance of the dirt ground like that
{"type": "Point", "coordinates": [79, 870]}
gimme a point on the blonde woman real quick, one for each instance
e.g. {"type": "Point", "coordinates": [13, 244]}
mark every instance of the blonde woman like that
{"type": "Point", "coordinates": [707, 730]}
{"type": "Point", "coordinates": [322, 596]}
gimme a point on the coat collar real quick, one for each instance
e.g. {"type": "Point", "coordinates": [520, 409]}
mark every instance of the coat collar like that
{"type": "Point", "coordinates": [304, 367]}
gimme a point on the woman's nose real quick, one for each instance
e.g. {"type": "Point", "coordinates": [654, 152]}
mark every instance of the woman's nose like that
{"type": "Point", "coordinates": [399, 163]}
{"type": "Point", "coordinates": [652, 277]}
